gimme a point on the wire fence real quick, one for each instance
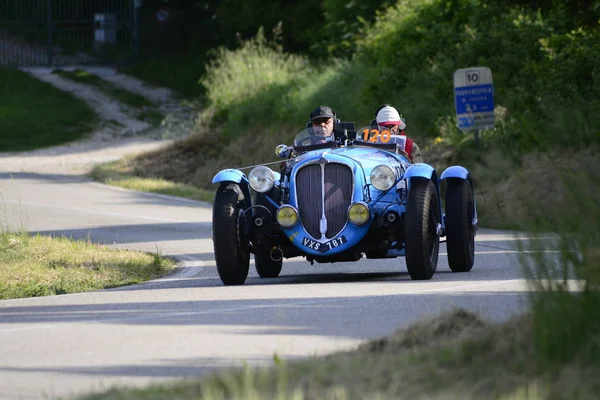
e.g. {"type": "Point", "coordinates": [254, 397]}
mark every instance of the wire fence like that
{"type": "Point", "coordinates": [66, 32]}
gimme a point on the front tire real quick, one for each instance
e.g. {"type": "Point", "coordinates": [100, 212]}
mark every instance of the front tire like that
{"type": "Point", "coordinates": [231, 250]}
{"type": "Point", "coordinates": [460, 231]}
{"type": "Point", "coordinates": [265, 266]}
{"type": "Point", "coordinates": [421, 229]}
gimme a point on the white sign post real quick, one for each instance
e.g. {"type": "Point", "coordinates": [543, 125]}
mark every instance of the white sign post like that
{"type": "Point", "coordinates": [474, 99]}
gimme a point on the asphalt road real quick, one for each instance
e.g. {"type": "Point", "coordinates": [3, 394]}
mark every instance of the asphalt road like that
{"type": "Point", "coordinates": [189, 323]}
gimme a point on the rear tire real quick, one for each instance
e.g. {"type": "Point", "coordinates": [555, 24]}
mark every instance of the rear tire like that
{"type": "Point", "coordinates": [231, 250]}
{"type": "Point", "coordinates": [422, 239]}
{"type": "Point", "coordinates": [460, 231]}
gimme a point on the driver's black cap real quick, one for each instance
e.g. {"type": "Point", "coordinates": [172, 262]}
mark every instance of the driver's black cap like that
{"type": "Point", "coordinates": [322, 112]}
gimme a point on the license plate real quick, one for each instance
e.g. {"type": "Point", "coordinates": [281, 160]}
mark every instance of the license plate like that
{"type": "Point", "coordinates": [324, 247]}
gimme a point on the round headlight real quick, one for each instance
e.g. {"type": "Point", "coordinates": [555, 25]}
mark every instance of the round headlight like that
{"type": "Point", "coordinates": [383, 177]}
{"type": "Point", "coordinates": [287, 216]}
{"type": "Point", "coordinates": [358, 213]}
{"type": "Point", "coordinates": [261, 179]}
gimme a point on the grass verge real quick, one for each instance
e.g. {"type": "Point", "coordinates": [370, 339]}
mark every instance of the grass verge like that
{"type": "Point", "coordinates": [566, 325]}
{"type": "Point", "coordinates": [34, 266]}
{"type": "Point", "coordinates": [453, 356]}
{"type": "Point", "coordinates": [135, 101]}
{"type": "Point", "coordinates": [34, 114]}
{"type": "Point", "coordinates": [119, 174]}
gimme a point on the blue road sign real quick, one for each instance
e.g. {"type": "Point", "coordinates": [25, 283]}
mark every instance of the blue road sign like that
{"type": "Point", "coordinates": [470, 99]}
{"type": "Point", "coordinates": [474, 98]}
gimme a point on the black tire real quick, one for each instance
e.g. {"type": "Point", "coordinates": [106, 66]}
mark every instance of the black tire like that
{"type": "Point", "coordinates": [231, 250]}
{"type": "Point", "coordinates": [460, 232]}
{"type": "Point", "coordinates": [422, 239]}
{"type": "Point", "coordinates": [265, 266]}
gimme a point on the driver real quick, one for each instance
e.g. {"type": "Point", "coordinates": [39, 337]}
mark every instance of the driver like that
{"type": "Point", "coordinates": [388, 117]}
{"type": "Point", "coordinates": [321, 123]}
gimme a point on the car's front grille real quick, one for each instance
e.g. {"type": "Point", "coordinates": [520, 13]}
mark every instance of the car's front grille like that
{"type": "Point", "coordinates": [335, 189]}
{"type": "Point", "coordinates": [309, 191]}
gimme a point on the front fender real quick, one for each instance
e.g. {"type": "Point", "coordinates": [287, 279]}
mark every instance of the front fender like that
{"type": "Point", "coordinates": [426, 171]}
{"type": "Point", "coordinates": [455, 171]}
{"type": "Point", "coordinates": [236, 177]}
{"type": "Point", "coordinates": [229, 175]}
{"type": "Point", "coordinates": [420, 170]}
{"type": "Point", "coordinates": [458, 172]}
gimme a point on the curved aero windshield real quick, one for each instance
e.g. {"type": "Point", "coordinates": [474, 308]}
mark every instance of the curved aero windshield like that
{"type": "Point", "coordinates": [378, 135]}
{"type": "Point", "coordinates": [313, 138]}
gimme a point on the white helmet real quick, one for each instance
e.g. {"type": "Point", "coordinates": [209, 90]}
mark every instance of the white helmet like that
{"type": "Point", "coordinates": [388, 115]}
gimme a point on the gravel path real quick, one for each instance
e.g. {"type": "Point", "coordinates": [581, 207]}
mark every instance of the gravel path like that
{"type": "Point", "coordinates": [118, 133]}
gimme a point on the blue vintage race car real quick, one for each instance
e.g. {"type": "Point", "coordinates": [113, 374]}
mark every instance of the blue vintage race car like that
{"type": "Point", "coordinates": [338, 199]}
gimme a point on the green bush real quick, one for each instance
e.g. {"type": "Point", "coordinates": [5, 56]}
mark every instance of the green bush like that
{"type": "Point", "coordinates": [543, 74]}
{"type": "Point", "coordinates": [260, 87]}
{"type": "Point", "coordinates": [538, 67]}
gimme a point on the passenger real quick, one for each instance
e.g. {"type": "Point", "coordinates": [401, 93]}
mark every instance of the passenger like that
{"type": "Point", "coordinates": [388, 117]}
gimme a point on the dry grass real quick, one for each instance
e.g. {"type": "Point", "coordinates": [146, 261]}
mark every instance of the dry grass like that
{"type": "Point", "coordinates": [35, 266]}
{"type": "Point", "coordinates": [424, 333]}
{"type": "Point", "coordinates": [453, 356]}
{"type": "Point", "coordinates": [127, 174]}
{"type": "Point", "coordinates": [507, 192]}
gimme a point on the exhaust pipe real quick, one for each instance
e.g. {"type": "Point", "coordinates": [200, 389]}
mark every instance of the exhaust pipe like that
{"type": "Point", "coordinates": [276, 254]}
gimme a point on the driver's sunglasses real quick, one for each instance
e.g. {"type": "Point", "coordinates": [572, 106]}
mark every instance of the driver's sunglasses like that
{"type": "Point", "coordinates": [319, 121]}
{"type": "Point", "coordinates": [389, 126]}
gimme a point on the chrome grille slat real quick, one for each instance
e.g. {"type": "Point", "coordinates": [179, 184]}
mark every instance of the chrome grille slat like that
{"type": "Point", "coordinates": [338, 196]}
{"type": "Point", "coordinates": [309, 194]}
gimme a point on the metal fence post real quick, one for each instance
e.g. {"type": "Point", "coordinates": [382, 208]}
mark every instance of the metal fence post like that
{"type": "Point", "coordinates": [50, 32]}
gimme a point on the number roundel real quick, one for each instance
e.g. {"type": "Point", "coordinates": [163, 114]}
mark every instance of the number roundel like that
{"type": "Point", "coordinates": [374, 135]}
